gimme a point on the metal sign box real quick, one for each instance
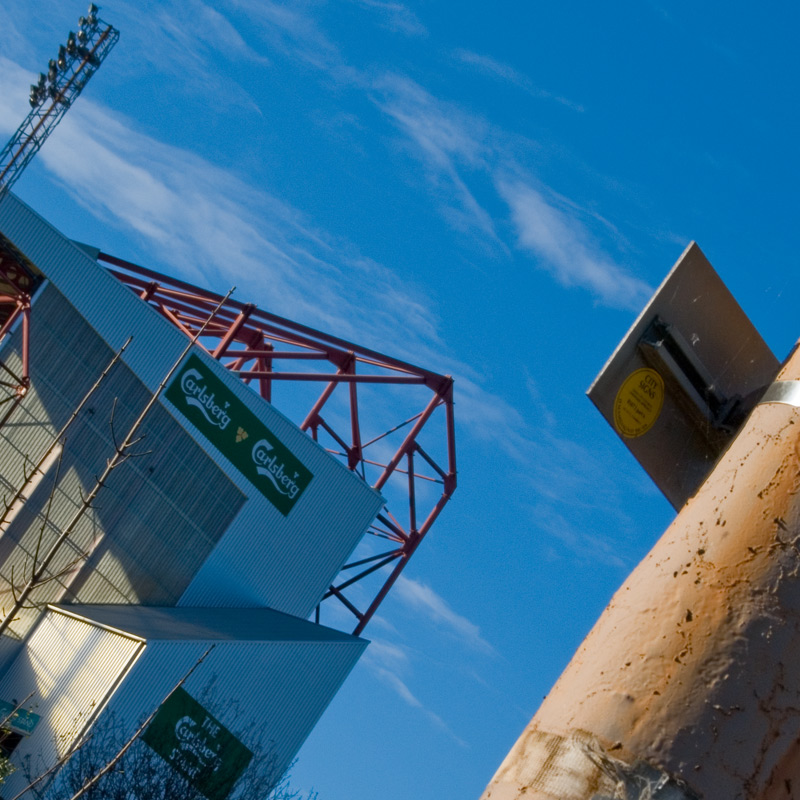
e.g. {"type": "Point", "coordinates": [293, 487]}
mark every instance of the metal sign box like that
{"type": "Point", "coordinates": [685, 376]}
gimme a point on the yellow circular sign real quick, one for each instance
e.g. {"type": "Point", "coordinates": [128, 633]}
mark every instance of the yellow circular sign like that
{"type": "Point", "coordinates": [638, 402]}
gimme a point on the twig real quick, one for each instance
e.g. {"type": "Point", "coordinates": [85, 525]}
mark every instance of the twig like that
{"type": "Point", "coordinates": [137, 733]}
{"type": "Point", "coordinates": [111, 464]}
{"type": "Point", "coordinates": [50, 770]}
{"type": "Point", "coordinates": [57, 439]}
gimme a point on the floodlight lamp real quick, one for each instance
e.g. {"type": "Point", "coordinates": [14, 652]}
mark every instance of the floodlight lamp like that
{"type": "Point", "coordinates": [71, 43]}
{"type": "Point", "coordinates": [92, 15]}
{"type": "Point", "coordinates": [81, 35]}
{"type": "Point", "coordinates": [62, 57]}
{"type": "Point", "coordinates": [52, 70]}
{"type": "Point", "coordinates": [42, 81]}
{"type": "Point", "coordinates": [33, 98]}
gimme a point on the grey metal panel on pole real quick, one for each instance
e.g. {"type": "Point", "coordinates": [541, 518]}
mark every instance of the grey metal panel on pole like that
{"type": "Point", "coordinates": [692, 328]}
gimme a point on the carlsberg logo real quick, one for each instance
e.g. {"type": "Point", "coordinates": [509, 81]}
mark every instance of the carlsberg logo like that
{"type": "Point", "coordinates": [268, 465]}
{"type": "Point", "coordinates": [197, 395]}
{"type": "Point", "coordinates": [194, 742]}
{"type": "Point", "coordinates": [273, 469]}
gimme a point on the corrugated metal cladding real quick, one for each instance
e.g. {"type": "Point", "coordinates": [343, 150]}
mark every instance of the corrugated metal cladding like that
{"type": "Point", "coordinates": [287, 564]}
{"type": "Point", "coordinates": [269, 694]}
{"type": "Point", "coordinates": [212, 624]}
{"type": "Point", "coordinates": [265, 558]}
{"type": "Point", "coordinates": [110, 307]}
{"type": "Point", "coordinates": [160, 514]}
{"type": "Point", "coordinates": [9, 650]}
{"type": "Point", "coordinates": [70, 667]}
{"type": "Point", "coordinates": [272, 692]}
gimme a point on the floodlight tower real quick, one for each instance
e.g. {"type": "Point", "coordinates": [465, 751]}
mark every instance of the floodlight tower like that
{"type": "Point", "coordinates": [56, 90]}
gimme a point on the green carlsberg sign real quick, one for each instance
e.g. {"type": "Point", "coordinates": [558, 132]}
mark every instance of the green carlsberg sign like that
{"type": "Point", "coordinates": [238, 434]}
{"type": "Point", "coordinates": [197, 746]}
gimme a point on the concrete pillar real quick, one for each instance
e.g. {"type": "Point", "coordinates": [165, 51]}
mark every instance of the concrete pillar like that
{"type": "Point", "coordinates": [688, 686]}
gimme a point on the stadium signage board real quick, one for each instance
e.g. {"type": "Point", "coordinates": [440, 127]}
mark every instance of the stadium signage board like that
{"type": "Point", "coordinates": [238, 434]}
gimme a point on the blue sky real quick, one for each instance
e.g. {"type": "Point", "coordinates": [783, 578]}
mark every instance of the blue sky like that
{"type": "Point", "coordinates": [491, 192]}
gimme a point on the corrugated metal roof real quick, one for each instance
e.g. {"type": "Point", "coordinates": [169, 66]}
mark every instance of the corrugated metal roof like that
{"type": "Point", "coordinates": [273, 692]}
{"type": "Point", "coordinates": [69, 667]}
{"type": "Point", "coordinates": [268, 687]}
{"type": "Point", "coordinates": [263, 558]}
{"type": "Point", "coordinates": [207, 624]}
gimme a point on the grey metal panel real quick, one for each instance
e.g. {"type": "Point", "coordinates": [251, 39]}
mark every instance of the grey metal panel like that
{"type": "Point", "coordinates": [212, 624]}
{"type": "Point", "coordinates": [70, 666]}
{"type": "Point", "coordinates": [287, 564]}
{"type": "Point", "coordinates": [680, 444]}
{"type": "Point", "coordinates": [263, 553]}
{"type": "Point", "coordinates": [158, 517]}
{"type": "Point", "coordinates": [275, 689]}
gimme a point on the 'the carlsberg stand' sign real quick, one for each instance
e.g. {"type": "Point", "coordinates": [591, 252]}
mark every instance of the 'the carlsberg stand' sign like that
{"type": "Point", "coordinates": [238, 434]}
{"type": "Point", "coordinates": [197, 745]}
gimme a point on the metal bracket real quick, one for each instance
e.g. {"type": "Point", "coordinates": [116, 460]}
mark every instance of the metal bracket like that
{"type": "Point", "coordinates": [667, 351]}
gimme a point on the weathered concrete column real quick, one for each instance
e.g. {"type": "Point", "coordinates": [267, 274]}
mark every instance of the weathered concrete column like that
{"type": "Point", "coordinates": [689, 683]}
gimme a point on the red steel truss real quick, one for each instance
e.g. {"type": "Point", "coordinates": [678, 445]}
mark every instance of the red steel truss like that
{"type": "Point", "coordinates": [267, 350]}
{"type": "Point", "coordinates": [18, 279]}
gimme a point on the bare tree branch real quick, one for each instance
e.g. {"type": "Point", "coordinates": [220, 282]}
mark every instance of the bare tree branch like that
{"type": "Point", "coordinates": [119, 457]}
{"type": "Point", "coordinates": [138, 732]}
{"type": "Point", "coordinates": [60, 435]}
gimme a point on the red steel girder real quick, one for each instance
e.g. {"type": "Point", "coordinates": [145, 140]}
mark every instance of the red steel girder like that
{"type": "Point", "coordinates": [17, 284]}
{"type": "Point", "coordinates": [256, 345]}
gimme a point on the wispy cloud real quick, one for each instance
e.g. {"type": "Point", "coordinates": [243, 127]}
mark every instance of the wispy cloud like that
{"type": "Point", "coordinates": [446, 139]}
{"type": "Point", "coordinates": [289, 31]}
{"type": "Point", "coordinates": [396, 17]}
{"type": "Point", "coordinates": [459, 148]}
{"type": "Point", "coordinates": [215, 229]}
{"type": "Point", "coordinates": [566, 249]}
{"type": "Point", "coordinates": [386, 655]}
{"type": "Point", "coordinates": [409, 697]}
{"type": "Point", "coordinates": [197, 30]}
{"type": "Point", "coordinates": [581, 543]}
{"type": "Point", "coordinates": [421, 597]}
{"type": "Point", "coordinates": [14, 44]}
{"type": "Point", "coordinates": [388, 663]}
{"type": "Point", "coordinates": [489, 66]}
{"type": "Point", "coordinates": [13, 105]}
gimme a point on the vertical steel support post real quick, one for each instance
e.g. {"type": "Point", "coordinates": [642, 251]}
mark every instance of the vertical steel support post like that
{"type": "Point", "coordinates": [354, 451]}
{"type": "Point", "coordinates": [26, 347]}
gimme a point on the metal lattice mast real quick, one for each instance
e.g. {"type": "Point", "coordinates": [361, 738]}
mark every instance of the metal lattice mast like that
{"type": "Point", "coordinates": [55, 92]}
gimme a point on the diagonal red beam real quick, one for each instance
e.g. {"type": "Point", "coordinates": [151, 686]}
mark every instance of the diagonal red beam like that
{"type": "Point", "coordinates": [245, 336]}
{"type": "Point", "coordinates": [305, 331]}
